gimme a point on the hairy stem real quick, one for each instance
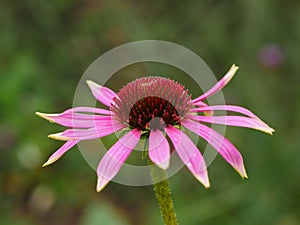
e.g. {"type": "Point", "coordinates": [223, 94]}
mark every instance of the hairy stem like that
{"type": "Point", "coordinates": [163, 194]}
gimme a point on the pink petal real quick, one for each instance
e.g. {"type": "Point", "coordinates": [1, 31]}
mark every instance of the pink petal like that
{"type": "Point", "coordinates": [75, 120]}
{"type": "Point", "coordinates": [115, 157]}
{"type": "Point", "coordinates": [238, 121]}
{"type": "Point", "coordinates": [230, 108]}
{"type": "Point", "coordinates": [88, 110]}
{"type": "Point", "coordinates": [189, 154]}
{"type": "Point", "coordinates": [59, 153]}
{"type": "Point", "coordinates": [107, 127]}
{"type": "Point", "coordinates": [102, 94]}
{"type": "Point", "coordinates": [218, 86]}
{"type": "Point", "coordinates": [220, 143]}
{"type": "Point", "coordinates": [200, 104]}
{"type": "Point", "coordinates": [159, 149]}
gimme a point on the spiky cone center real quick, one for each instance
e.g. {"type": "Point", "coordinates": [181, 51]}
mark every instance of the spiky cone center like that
{"type": "Point", "coordinates": [151, 103]}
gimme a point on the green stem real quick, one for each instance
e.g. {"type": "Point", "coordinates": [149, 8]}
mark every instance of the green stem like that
{"type": "Point", "coordinates": [163, 194]}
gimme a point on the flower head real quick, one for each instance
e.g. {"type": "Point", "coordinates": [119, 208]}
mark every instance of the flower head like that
{"type": "Point", "coordinates": [151, 103]}
{"type": "Point", "coordinates": [156, 108]}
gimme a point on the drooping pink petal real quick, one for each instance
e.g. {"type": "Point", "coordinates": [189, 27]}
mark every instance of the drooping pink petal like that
{"type": "Point", "coordinates": [230, 108]}
{"type": "Point", "coordinates": [80, 134]}
{"type": "Point", "coordinates": [159, 149]}
{"type": "Point", "coordinates": [189, 154]}
{"type": "Point", "coordinates": [102, 94]}
{"type": "Point", "coordinates": [105, 129]}
{"type": "Point", "coordinates": [220, 143]}
{"type": "Point", "coordinates": [238, 121]}
{"type": "Point", "coordinates": [75, 120]}
{"type": "Point", "coordinates": [219, 85]}
{"type": "Point", "coordinates": [59, 153]}
{"type": "Point", "coordinates": [115, 157]}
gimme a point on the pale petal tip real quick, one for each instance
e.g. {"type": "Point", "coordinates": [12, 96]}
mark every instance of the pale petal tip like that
{"type": "Point", "coordinates": [46, 164]}
{"type": "Point", "coordinates": [45, 116]}
{"type": "Point", "coordinates": [242, 172]}
{"type": "Point", "coordinates": [50, 161]}
{"type": "Point", "coordinates": [92, 84]}
{"type": "Point", "coordinates": [101, 184]}
{"type": "Point", "coordinates": [164, 165]}
{"type": "Point", "coordinates": [234, 67]}
{"type": "Point", "coordinates": [39, 114]}
{"type": "Point", "coordinates": [204, 181]}
{"type": "Point", "coordinates": [231, 72]}
{"type": "Point", "coordinates": [58, 136]}
{"type": "Point", "coordinates": [267, 130]}
{"type": "Point", "coordinates": [271, 131]}
{"type": "Point", "coordinates": [89, 82]}
{"type": "Point", "coordinates": [202, 177]}
{"type": "Point", "coordinates": [206, 184]}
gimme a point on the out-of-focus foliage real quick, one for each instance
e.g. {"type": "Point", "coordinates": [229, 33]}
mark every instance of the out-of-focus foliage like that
{"type": "Point", "coordinates": [45, 47]}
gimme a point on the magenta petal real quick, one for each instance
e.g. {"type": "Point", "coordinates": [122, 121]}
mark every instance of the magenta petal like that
{"type": "Point", "coordinates": [238, 121]}
{"type": "Point", "coordinates": [59, 153]}
{"type": "Point", "coordinates": [237, 109]}
{"type": "Point", "coordinates": [200, 104]}
{"type": "Point", "coordinates": [87, 134]}
{"type": "Point", "coordinates": [230, 108]}
{"type": "Point", "coordinates": [159, 149]}
{"type": "Point", "coordinates": [88, 110]}
{"type": "Point", "coordinates": [189, 154]}
{"type": "Point", "coordinates": [102, 94]}
{"type": "Point", "coordinates": [220, 143]}
{"type": "Point", "coordinates": [115, 157]}
{"type": "Point", "coordinates": [219, 85]}
{"type": "Point", "coordinates": [75, 120]}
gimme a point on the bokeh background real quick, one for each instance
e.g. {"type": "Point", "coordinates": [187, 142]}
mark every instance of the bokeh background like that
{"type": "Point", "coordinates": [45, 48]}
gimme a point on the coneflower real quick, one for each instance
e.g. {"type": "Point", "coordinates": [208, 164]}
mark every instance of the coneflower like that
{"type": "Point", "coordinates": [161, 110]}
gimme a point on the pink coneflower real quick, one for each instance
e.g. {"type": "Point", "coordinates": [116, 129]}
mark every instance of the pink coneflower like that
{"type": "Point", "coordinates": [161, 110]}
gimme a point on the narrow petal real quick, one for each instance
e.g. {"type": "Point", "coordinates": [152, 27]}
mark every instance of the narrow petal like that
{"type": "Point", "coordinates": [79, 134]}
{"type": "Point", "coordinates": [202, 104]}
{"type": "Point", "coordinates": [220, 143]}
{"type": "Point", "coordinates": [75, 120]}
{"type": "Point", "coordinates": [102, 94]}
{"type": "Point", "coordinates": [89, 110]}
{"type": "Point", "coordinates": [219, 85]}
{"type": "Point", "coordinates": [59, 153]}
{"type": "Point", "coordinates": [238, 121]}
{"type": "Point", "coordinates": [159, 149]}
{"type": "Point", "coordinates": [189, 154]}
{"type": "Point", "coordinates": [87, 134]}
{"type": "Point", "coordinates": [115, 157]}
{"type": "Point", "coordinates": [233, 108]}
{"type": "Point", "coordinates": [230, 108]}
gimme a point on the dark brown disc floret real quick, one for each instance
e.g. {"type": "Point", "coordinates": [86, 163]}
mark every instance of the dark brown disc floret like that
{"type": "Point", "coordinates": [151, 103]}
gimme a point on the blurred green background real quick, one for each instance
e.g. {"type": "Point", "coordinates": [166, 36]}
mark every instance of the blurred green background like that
{"type": "Point", "coordinates": [47, 45]}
